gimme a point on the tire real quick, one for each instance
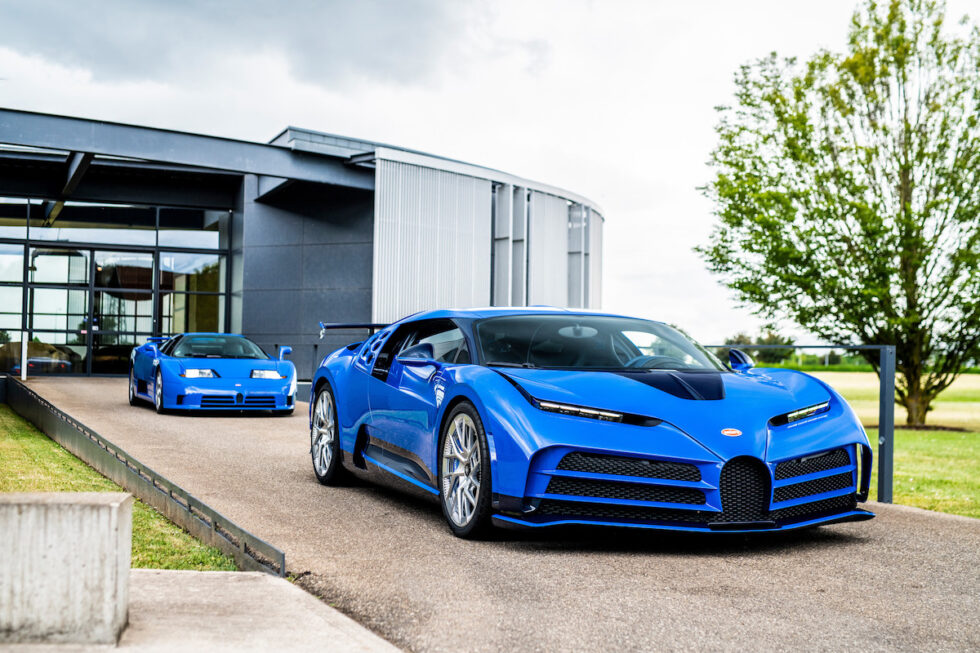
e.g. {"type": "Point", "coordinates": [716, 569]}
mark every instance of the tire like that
{"type": "Point", "coordinates": [464, 463]}
{"type": "Point", "coordinates": [158, 394]}
{"type": "Point", "coordinates": [132, 387]}
{"type": "Point", "coordinates": [325, 439]}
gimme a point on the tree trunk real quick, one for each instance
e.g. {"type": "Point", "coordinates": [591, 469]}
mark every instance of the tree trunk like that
{"type": "Point", "coordinates": [916, 407]}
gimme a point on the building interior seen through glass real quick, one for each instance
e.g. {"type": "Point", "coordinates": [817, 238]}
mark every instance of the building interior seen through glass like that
{"type": "Point", "coordinates": [84, 283]}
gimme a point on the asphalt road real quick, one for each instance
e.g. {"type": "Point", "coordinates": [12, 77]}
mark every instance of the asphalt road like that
{"type": "Point", "coordinates": [908, 580]}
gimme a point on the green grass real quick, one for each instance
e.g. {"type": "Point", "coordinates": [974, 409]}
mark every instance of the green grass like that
{"type": "Point", "coordinates": [935, 470]}
{"type": "Point", "coordinates": [31, 462]}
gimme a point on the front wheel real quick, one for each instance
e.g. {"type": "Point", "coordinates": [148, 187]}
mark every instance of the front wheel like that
{"type": "Point", "coordinates": [464, 473]}
{"type": "Point", "coordinates": [158, 393]}
{"type": "Point", "coordinates": [325, 439]}
{"type": "Point", "coordinates": [132, 387]}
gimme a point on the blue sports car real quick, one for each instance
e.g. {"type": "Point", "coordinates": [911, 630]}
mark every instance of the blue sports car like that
{"type": "Point", "coordinates": [533, 417]}
{"type": "Point", "coordinates": [211, 371]}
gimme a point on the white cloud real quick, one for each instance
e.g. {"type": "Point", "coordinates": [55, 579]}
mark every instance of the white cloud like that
{"type": "Point", "coordinates": [611, 99]}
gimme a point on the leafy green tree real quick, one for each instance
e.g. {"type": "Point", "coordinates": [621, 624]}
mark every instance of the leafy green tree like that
{"type": "Point", "coordinates": [772, 356]}
{"type": "Point", "coordinates": [740, 338]}
{"type": "Point", "coordinates": [4, 337]}
{"type": "Point", "coordinates": [848, 192]}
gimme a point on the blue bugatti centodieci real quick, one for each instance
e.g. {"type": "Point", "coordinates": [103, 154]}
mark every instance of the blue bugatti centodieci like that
{"type": "Point", "coordinates": [211, 371]}
{"type": "Point", "coordinates": [532, 417]}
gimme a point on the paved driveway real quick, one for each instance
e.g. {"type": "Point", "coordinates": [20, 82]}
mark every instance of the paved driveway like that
{"type": "Point", "coordinates": [908, 580]}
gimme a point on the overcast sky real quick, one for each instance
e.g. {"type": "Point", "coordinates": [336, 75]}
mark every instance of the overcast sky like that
{"type": "Point", "coordinates": [613, 100]}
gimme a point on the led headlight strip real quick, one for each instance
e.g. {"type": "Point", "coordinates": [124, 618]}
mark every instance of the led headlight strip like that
{"type": "Point", "coordinates": [797, 415]}
{"type": "Point", "coordinates": [580, 411]}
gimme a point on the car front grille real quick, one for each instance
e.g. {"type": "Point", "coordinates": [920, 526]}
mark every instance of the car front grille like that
{"type": "Point", "coordinates": [744, 488]}
{"type": "Point", "coordinates": [623, 466]}
{"type": "Point", "coordinates": [811, 464]}
{"type": "Point", "coordinates": [816, 486]}
{"type": "Point", "coordinates": [260, 402]}
{"type": "Point", "coordinates": [604, 511]}
{"type": "Point", "coordinates": [216, 401]}
{"type": "Point", "coordinates": [815, 509]}
{"type": "Point", "coordinates": [624, 491]}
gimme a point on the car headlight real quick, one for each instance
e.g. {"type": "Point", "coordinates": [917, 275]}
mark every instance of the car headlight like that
{"type": "Point", "coordinates": [199, 374]}
{"type": "Point", "coordinates": [266, 374]}
{"type": "Point", "coordinates": [797, 415]}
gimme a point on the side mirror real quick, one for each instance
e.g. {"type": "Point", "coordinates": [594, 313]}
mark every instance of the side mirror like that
{"type": "Point", "coordinates": [739, 360]}
{"type": "Point", "coordinates": [419, 356]}
{"type": "Point", "coordinates": [284, 351]}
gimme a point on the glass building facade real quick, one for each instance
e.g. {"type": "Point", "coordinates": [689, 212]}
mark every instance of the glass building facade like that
{"type": "Point", "coordinates": [85, 282]}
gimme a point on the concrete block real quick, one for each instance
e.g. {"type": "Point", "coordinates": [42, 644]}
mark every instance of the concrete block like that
{"type": "Point", "coordinates": [64, 566]}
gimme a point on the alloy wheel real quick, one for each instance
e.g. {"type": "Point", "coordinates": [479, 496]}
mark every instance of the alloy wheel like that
{"type": "Point", "coordinates": [322, 433]}
{"type": "Point", "coordinates": [461, 470]}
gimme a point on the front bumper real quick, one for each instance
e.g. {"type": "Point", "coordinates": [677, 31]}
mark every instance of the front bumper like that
{"type": "Point", "coordinates": [570, 486]}
{"type": "Point", "coordinates": [261, 395]}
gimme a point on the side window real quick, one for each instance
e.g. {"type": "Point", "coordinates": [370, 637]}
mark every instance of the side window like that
{"type": "Point", "coordinates": [447, 341]}
{"type": "Point", "coordinates": [387, 352]}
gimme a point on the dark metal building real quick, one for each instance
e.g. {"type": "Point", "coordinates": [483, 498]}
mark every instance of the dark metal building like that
{"type": "Point", "coordinates": [110, 233]}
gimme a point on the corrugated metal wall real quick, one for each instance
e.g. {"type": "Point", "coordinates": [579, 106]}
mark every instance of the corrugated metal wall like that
{"type": "Point", "coordinates": [432, 240]}
{"type": "Point", "coordinates": [547, 266]}
{"type": "Point", "coordinates": [595, 261]}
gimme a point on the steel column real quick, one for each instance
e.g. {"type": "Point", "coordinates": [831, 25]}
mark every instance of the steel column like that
{"type": "Point", "coordinates": [886, 422]}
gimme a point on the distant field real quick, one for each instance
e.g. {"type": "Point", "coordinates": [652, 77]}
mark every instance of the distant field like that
{"type": "Point", "coordinates": [958, 406]}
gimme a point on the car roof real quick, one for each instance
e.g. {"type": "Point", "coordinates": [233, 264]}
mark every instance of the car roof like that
{"type": "Point", "coordinates": [501, 311]}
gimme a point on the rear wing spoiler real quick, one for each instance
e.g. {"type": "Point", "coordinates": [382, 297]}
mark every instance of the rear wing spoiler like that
{"type": "Point", "coordinates": [336, 326]}
{"type": "Point", "coordinates": [158, 339]}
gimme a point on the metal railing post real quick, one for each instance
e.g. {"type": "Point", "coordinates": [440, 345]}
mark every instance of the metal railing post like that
{"type": "Point", "coordinates": [886, 423]}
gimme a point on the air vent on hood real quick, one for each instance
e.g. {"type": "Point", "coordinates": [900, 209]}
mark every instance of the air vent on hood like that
{"type": "Point", "coordinates": [695, 385]}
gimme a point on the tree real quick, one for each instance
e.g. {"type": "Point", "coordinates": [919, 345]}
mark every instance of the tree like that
{"type": "Point", "coordinates": [848, 193]}
{"type": "Point", "coordinates": [773, 355]}
{"type": "Point", "coordinates": [740, 338]}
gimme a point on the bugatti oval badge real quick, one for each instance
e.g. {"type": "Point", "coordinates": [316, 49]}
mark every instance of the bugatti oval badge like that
{"type": "Point", "coordinates": [732, 433]}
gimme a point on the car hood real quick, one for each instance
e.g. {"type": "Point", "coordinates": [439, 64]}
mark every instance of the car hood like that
{"type": "Point", "coordinates": [235, 368]}
{"type": "Point", "coordinates": [702, 404]}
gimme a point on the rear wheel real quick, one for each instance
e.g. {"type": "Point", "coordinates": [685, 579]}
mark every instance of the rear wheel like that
{"type": "Point", "coordinates": [325, 438]}
{"type": "Point", "coordinates": [464, 473]}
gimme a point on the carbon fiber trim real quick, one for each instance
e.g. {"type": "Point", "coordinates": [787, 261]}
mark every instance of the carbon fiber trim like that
{"type": "Point", "coordinates": [624, 491]}
{"type": "Point", "coordinates": [595, 463]}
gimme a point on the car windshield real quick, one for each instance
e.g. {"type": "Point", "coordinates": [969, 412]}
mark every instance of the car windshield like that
{"type": "Point", "coordinates": [589, 342]}
{"type": "Point", "coordinates": [217, 347]}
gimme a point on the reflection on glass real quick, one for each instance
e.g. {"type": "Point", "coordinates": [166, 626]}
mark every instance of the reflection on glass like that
{"type": "Point", "coordinates": [123, 270]}
{"type": "Point", "coordinates": [61, 266]}
{"type": "Point", "coordinates": [192, 272]}
{"type": "Point", "coordinates": [11, 303]}
{"type": "Point", "coordinates": [93, 223]}
{"type": "Point", "coordinates": [54, 353]}
{"type": "Point", "coordinates": [13, 218]}
{"type": "Point", "coordinates": [181, 313]}
{"type": "Point", "coordinates": [131, 312]}
{"type": "Point", "coordinates": [58, 309]}
{"type": "Point", "coordinates": [10, 351]}
{"type": "Point", "coordinates": [110, 353]}
{"type": "Point", "coordinates": [194, 228]}
{"type": "Point", "coordinates": [11, 263]}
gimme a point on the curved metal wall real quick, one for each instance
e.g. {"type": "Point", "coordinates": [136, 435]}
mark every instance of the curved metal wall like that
{"type": "Point", "coordinates": [432, 240]}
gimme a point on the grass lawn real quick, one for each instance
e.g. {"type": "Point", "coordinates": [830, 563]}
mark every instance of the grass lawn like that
{"type": "Point", "coordinates": [32, 462]}
{"type": "Point", "coordinates": [937, 470]}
